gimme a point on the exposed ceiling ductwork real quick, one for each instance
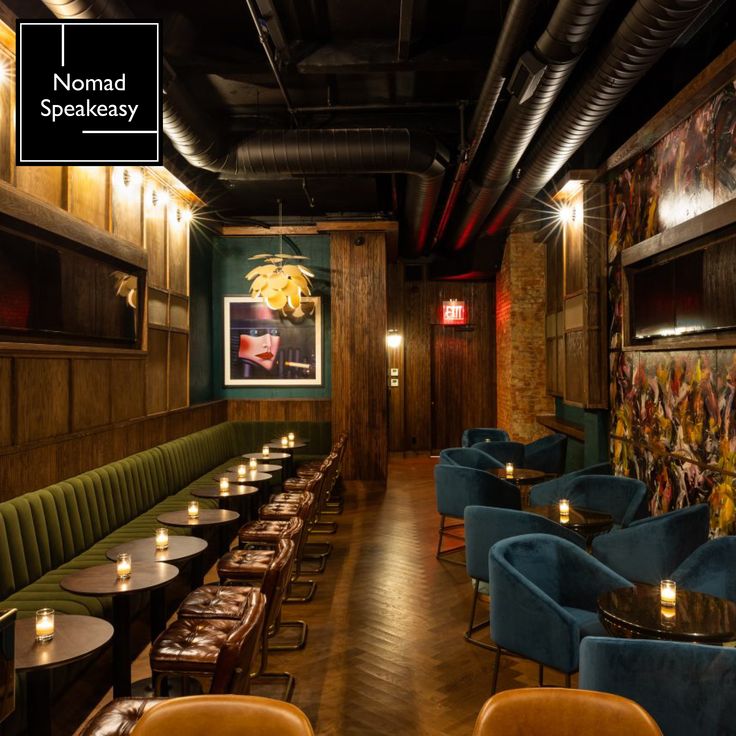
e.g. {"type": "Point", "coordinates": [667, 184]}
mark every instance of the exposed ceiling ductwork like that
{"type": "Point", "coordinates": [555, 55]}
{"type": "Point", "coordinates": [645, 34]}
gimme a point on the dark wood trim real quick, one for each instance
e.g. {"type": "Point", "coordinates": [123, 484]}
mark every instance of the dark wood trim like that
{"type": "Point", "coordinates": [35, 218]}
{"type": "Point", "coordinates": [550, 421]}
{"type": "Point", "coordinates": [53, 350]}
{"type": "Point", "coordinates": [703, 224]}
{"type": "Point", "coordinates": [239, 231]}
{"type": "Point", "coordinates": [716, 75]}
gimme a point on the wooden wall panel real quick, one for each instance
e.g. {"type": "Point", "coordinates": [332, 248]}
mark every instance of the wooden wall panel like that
{"type": "Point", "coordinates": [55, 459]}
{"type": "Point", "coordinates": [158, 355]}
{"type": "Point", "coordinates": [130, 402]}
{"type": "Point", "coordinates": [158, 307]}
{"type": "Point", "coordinates": [359, 323]}
{"type": "Point", "coordinates": [280, 410]}
{"type": "Point", "coordinates": [178, 370]}
{"type": "Point", "coordinates": [127, 204]}
{"type": "Point", "coordinates": [179, 313]}
{"type": "Point", "coordinates": [155, 234]}
{"type": "Point", "coordinates": [6, 402]}
{"type": "Point", "coordinates": [88, 194]}
{"type": "Point", "coordinates": [45, 182]}
{"type": "Point", "coordinates": [42, 398]}
{"type": "Point", "coordinates": [178, 256]}
{"type": "Point", "coordinates": [90, 405]}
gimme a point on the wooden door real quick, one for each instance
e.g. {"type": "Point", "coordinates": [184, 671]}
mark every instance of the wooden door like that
{"type": "Point", "coordinates": [463, 383]}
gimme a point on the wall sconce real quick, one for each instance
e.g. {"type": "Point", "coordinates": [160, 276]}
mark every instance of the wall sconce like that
{"type": "Point", "coordinates": [393, 339]}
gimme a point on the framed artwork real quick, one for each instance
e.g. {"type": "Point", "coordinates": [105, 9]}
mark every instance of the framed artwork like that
{"type": "Point", "coordinates": [263, 347]}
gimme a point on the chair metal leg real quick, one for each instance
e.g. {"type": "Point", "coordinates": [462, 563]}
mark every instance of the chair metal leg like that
{"type": "Point", "coordinates": [324, 527]}
{"type": "Point", "coordinates": [288, 678]}
{"type": "Point", "coordinates": [473, 627]}
{"type": "Point", "coordinates": [443, 532]}
{"type": "Point", "coordinates": [317, 550]}
{"type": "Point", "coordinates": [496, 667]}
{"type": "Point", "coordinates": [301, 626]}
{"type": "Point", "coordinates": [311, 587]}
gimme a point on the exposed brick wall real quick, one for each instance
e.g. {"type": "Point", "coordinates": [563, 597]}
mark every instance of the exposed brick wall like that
{"type": "Point", "coordinates": [520, 346]}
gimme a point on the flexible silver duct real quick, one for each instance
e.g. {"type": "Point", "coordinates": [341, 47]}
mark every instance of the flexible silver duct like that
{"type": "Point", "coordinates": [648, 30]}
{"type": "Point", "coordinates": [87, 9]}
{"type": "Point", "coordinates": [559, 48]}
{"type": "Point", "coordinates": [514, 29]}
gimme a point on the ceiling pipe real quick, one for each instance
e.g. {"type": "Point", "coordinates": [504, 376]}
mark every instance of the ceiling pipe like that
{"type": "Point", "coordinates": [551, 62]}
{"type": "Point", "coordinates": [515, 25]}
{"type": "Point", "coordinates": [645, 34]}
{"type": "Point", "coordinates": [202, 142]}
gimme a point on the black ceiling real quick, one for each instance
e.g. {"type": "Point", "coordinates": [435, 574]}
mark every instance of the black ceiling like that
{"type": "Point", "coordinates": [418, 64]}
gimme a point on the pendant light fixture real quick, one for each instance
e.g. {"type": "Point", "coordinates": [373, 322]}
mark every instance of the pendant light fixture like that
{"type": "Point", "coordinates": [281, 285]}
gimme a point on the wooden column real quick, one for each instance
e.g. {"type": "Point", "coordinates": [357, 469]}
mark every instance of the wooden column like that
{"type": "Point", "coordinates": [359, 323]}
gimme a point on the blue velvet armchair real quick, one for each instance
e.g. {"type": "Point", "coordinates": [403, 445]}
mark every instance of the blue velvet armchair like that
{"type": "Point", "coordinates": [503, 451]}
{"type": "Point", "coordinates": [623, 498]}
{"type": "Point", "coordinates": [544, 600]}
{"type": "Point", "coordinates": [457, 487]}
{"type": "Point", "coordinates": [481, 434]}
{"type": "Point", "coordinates": [551, 491]}
{"type": "Point", "coordinates": [650, 550]}
{"type": "Point", "coordinates": [711, 568]}
{"type": "Point", "coordinates": [468, 457]}
{"type": "Point", "coordinates": [687, 688]}
{"type": "Point", "coordinates": [547, 454]}
{"type": "Point", "coordinates": [484, 527]}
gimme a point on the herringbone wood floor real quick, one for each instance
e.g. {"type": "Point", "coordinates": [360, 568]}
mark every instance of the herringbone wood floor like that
{"type": "Point", "coordinates": [386, 652]}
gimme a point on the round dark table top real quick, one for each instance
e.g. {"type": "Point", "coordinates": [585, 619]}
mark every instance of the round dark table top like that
{"type": "Point", "coordinates": [103, 579]}
{"type": "Point", "coordinates": [252, 476]}
{"type": "Point", "coordinates": [584, 521]}
{"type": "Point", "coordinates": [637, 612]}
{"type": "Point", "coordinates": [295, 445]}
{"type": "Point", "coordinates": [75, 637]}
{"type": "Point", "coordinates": [207, 517]}
{"type": "Point", "coordinates": [261, 468]}
{"type": "Point", "coordinates": [522, 476]}
{"type": "Point", "coordinates": [270, 456]}
{"type": "Point", "coordinates": [235, 491]}
{"type": "Point", "coordinates": [144, 550]}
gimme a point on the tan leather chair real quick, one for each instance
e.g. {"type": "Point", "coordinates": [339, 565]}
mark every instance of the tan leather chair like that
{"type": "Point", "coordinates": [562, 712]}
{"type": "Point", "coordinates": [225, 715]}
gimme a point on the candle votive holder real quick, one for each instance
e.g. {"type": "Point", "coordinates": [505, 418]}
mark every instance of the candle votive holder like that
{"type": "Point", "coordinates": [266, 450]}
{"type": "Point", "coordinates": [509, 470]}
{"type": "Point", "coordinates": [124, 565]}
{"type": "Point", "coordinates": [253, 464]}
{"type": "Point", "coordinates": [668, 593]}
{"type": "Point", "coordinates": [290, 436]}
{"type": "Point", "coordinates": [162, 538]}
{"type": "Point", "coordinates": [193, 509]}
{"type": "Point", "coordinates": [44, 624]}
{"type": "Point", "coordinates": [224, 484]}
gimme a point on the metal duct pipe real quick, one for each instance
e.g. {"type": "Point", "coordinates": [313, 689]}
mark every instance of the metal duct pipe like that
{"type": "Point", "coordinates": [515, 24]}
{"type": "Point", "coordinates": [88, 9]}
{"type": "Point", "coordinates": [559, 48]}
{"type": "Point", "coordinates": [649, 29]}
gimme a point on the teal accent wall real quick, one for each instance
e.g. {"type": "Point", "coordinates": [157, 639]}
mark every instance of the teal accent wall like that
{"type": "Point", "coordinates": [594, 424]}
{"type": "Point", "coordinates": [200, 317]}
{"type": "Point", "coordinates": [229, 265]}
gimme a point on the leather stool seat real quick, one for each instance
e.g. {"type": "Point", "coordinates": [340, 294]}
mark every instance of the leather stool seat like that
{"type": "Point", "coordinates": [191, 644]}
{"type": "Point", "coordinates": [286, 498]}
{"type": "Point", "coordinates": [244, 564]}
{"type": "Point", "coordinates": [279, 511]}
{"type": "Point", "coordinates": [296, 484]}
{"type": "Point", "coordinates": [119, 717]}
{"type": "Point", "coordinates": [218, 601]}
{"type": "Point", "coordinates": [263, 531]}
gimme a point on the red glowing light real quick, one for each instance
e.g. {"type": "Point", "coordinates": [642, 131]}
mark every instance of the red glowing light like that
{"type": "Point", "coordinates": [453, 313]}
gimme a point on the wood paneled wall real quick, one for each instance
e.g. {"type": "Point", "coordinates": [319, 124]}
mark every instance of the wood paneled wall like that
{"type": "Point", "coordinates": [414, 310]}
{"type": "Point", "coordinates": [359, 322]}
{"type": "Point", "coordinates": [41, 463]}
{"type": "Point", "coordinates": [279, 410]}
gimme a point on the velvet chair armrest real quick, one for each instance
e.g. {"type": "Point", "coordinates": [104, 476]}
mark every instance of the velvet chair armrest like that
{"type": "Point", "coordinates": [583, 579]}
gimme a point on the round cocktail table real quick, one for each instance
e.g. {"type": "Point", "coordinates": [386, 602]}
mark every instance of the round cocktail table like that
{"type": "Point", "coordinates": [237, 498]}
{"type": "Point", "coordinates": [270, 456]}
{"type": "Point", "coordinates": [697, 617]}
{"type": "Point", "coordinates": [583, 521]}
{"type": "Point", "coordinates": [261, 468]}
{"type": "Point", "coordinates": [75, 637]}
{"type": "Point", "coordinates": [522, 478]}
{"type": "Point", "coordinates": [252, 476]}
{"type": "Point", "coordinates": [207, 518]}
{"type": "Point", "coordinates": [180, 549]}
{"type": "Point", "coordinates": [102, 580]}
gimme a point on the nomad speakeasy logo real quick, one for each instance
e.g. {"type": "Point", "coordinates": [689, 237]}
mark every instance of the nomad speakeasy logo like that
{"type": "Point", "coordinates": [89, 92]}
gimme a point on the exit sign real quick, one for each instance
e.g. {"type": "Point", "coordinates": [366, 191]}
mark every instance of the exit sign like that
{"type": "Point", "coordinates": [454, 313]}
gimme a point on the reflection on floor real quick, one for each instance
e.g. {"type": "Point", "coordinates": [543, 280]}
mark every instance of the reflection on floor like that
{"type": "Point", "coordinates": [385, 652]}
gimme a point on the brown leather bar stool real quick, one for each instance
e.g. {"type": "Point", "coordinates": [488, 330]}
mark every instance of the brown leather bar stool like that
{"type": "Point", "coordinates": [216, 652]}
{"type": "Point", "coordinates": [225, 715]}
